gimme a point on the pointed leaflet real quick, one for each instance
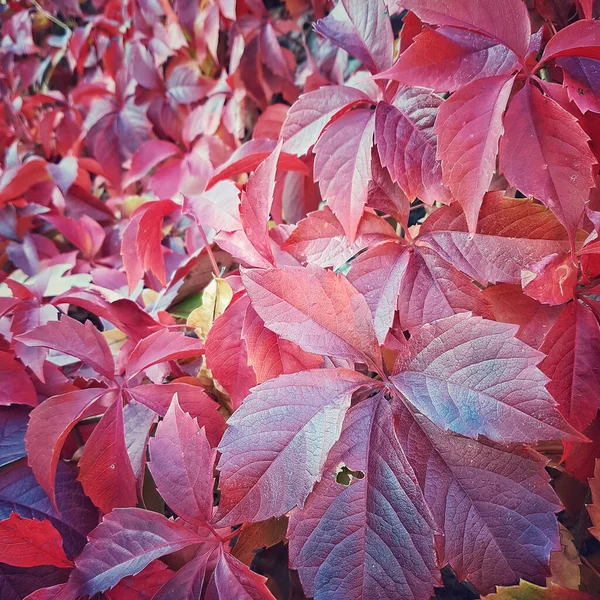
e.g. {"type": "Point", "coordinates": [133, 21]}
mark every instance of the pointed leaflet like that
{"type": "Point", "coordinates": [507, 22]}
{"type": "Point", "coordinates": [31, 543]}
{"type": "Point", "coordinates": [552, 280]}
{"type": "Point", "coordinates": [319, 239]}
{"type": "Point", "coordinates": [124, 543]}
{"type": "Point", "coordinates": [343, 166]}
{"type": "Point", "coordinates": [138, 421]}
{"type": "Point", "coordinates": [257, 200]}
{"type": "Point", "coordinates": [17, 388]}
{"type": "Point", "coordinates": [385, 195]}
{"type": "Point", "coordinates": [432, 289]}
{"type": "Point", "coordinates": [447, 58]}
{"type": "Point", "coordinates": [217, 208]}
{"type": "Point", "coordinates": [13, 425]}
{"type": "Point", "coordinates": [316, 309]}
{"type": "Point", "coordinates": [407, 145]}
{"type": "Point", "coordinates": [572, 347]}
{"type": "Point", "coordinates": [511, 235]}
{"type": "Point", "coordinates": [269, 355]}
{"type": "Point", "coordinates": [193, 400]}
{"type": "Point", "coordinates": [530, 591]}
{"type": "Point", "coordinates": [142, 586]}
{"type": "Point", "coordinates": [309, 115]}
{"type": "Point", "coordinates": [545, 153]}
{"type": "Point", "coordinates": [582, 80]}
{"type": "Point", "coordinates": [363, 29]}
{"type": "Point", "coordinates": [377, 274]}
{"type": "Point", "coordinates": [255, 536]}
{"type": "Point", "coordinates": [578, 39]}
{"type": "Point", "coordinates": [49, 425]}
{"type": "Point", "coordinates": [485, 498]}
{"type": "Point", "coordinates": [233, 579]}
{"type": "Point", "coordinates": [226, 354]}
{"type": "Point", "coordinates": [469, 126]}
{"type": "Point", "coordinates": [473, 377]}
{"type": "Point", "coordinates": [162, 346]}
{"type": "Point", "coordinates": [188, 582]}
{"type": "Point", "coordinates": [510, 305]}
{"type": "Point", "coordinates": [374, 537]}
{"type": "Point", "coordinates": [181, 463]}
{"type": "Point", "coordinates": [106, 473]}
{"type": "Point", "coordinates": [83, 341]}
{"type": "Point", "coordinates": [277, 442]}
{"type": "Point", "coordinates": [73, 517]}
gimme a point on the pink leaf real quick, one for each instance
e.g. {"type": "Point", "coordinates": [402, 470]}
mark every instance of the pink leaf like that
{"type": "Point", "coordinates": [578, 39]}
{"type": "Point", "coordinates": [309, 115]}
{"type": "Point", "coordinates": [447, 58]}
{"type": "Point", "coordinates": [506, 22]}
{"type": "Point", "coordinates": [407, 145]}
{"type": "Point", "coordinates": [83, 341]}
{"type": "Point", "coordinates": [374, 537]}
{"type": "Point", "coordinates": [343, 166]}
{"type": "Point", "coordinates": [316, 309]}
{"type": "Point", "coordinates": [469, 126]}
{"type": "Point", "coordinates": [16, 385]}
{"type": "Point", "coordinates": [49, 425]}
{"type": "Point", "coordinates": [124, 543]}
{"type": "Point", "coordinates": [147, 157]}
{"type": "Point", "coordinates": [363, 29]}
{"type": "Point", "coordinates": [142, 586]}
{"type": "Point", "coordinates": [470, 487]}
{"type": "Point", "coordinates": [162, 346]}
{"type": "Point", "coordinates": [582, 79]}
{"type": "Point", "coordinates": [271, 356]}
{"type": "Point", "coordinates": [226, 353]}
{"type": "Point", "coordinates": [551, 280]}
{"type": "Point", "coordinates": [377, 274]}
{"type": "Point", "coordinates": [255, 207]}
{"type": "Point", "coordinates": [545, 154]}
{"type": "Point", "coordinates": [217, 208]}
{"type": "Point", "coordinates": [105, 470]}
{"type": "Point", "coordinates": [233, 579]}
{"type": "Point", "coordinates": [276, 443]}
{"type": "Point", "coordinates": [31, 543]}
{"type": "Point", "coordinates": [572, 347]}
{"type": "Point", "coordinates": [511, 235]}
{"type": "Point", "coordinates": [319, 239]}
{"type": "Point", "coordinates": [188, 582]}
{"type": "Point", "coordinates": [181, 463]}
{"type": "Point", "coordinates": [473, 377]}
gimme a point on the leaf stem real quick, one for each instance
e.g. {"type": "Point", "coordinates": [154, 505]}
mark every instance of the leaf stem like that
{"type": "Point", "coordinates": [213, 262]}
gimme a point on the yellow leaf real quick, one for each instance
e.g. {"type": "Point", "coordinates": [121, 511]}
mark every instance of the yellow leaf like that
{"type": "Point", "coordinates": [215, 299]}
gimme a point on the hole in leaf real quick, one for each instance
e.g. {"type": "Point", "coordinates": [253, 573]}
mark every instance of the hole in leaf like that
{"type": "Point", "coordinates": [344, 475]}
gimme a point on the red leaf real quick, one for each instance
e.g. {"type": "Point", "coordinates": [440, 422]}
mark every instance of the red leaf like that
{"type": "Point", "coordinates": [582, 79]}
{"type": "Point", "coordinates": [271, 356]}
{"type": "Point", "coordinates": [16, 385]}
{"type": "Point", "coordinates": [233, 579]}
{"type": "Point", "coordinates": [319, 239]}
{"type": "Point", "coordinates": [407, 145]}
{"type": "Point", "coordinates": [551, 280]}
{"type": "Point", "coordinates": [363, 29]}
{"type": "Point", "coordinates": [338, 541]}
{"type": "Point", "coordinates": [470, 487]}
{"type": "Point", "coordinates": [226, 353]}
{"type": "Point", "coordinates": [377, 274]}
{"type": "Point", "coordinates": [31, 543]}
{"type": "Point", "coordinates": [545, 153]}
{"type": "Point", "coordinates": [105, 470]}
{"type": "Point", "coordinates": [126, 541]}
{"type": "Point", "coordinates": [193, 400]}
{"type": "Point", "coordinates": [572, 347]}
{"type": "Point", "coordinates": [511, 235]}
{"type": "Point", "coordinates": [84, 233]}
{"type": "Point", "coordinates": [310, 114]}
{"type": "Point", "coordinates": [578, 39]}
{"type": "Point", "coordinates": [317, 309]}
{"type": "Point", "coordinates": [255, 207]}
{"type": "Point", "coordinates": [343, 166]}
{"type": "Point", "coordinates": [181, 463]}
{"type": "Point", "coordinates": [473, 377]}
{"type": "Point", "coordinates": [16, 180]}
{"type": "Point", "coordinates": [510, 305]}
{"type": "Point", "coordinates": [83, 341]}
{"type": "Point", "coordinates": [469, 126]}
{"type": "Point", "coordinates": [49, 425]}
{"type": "Point", "coordinates": [447, 59]}
{"type": "Point", "coordinates": [506, 22]}
{"type": "Point", "coordinates": [385, 195]}
{"type": "Point", "coordinates": [144, 585]}
{"type": "Point", "coordinates": [162, 346]}
{"type": "Point", "coordinates": [188, 582]}
{"type": "Point", "coordinates": [432, 289]}
{"type": "Point", "coordinates": [276, 443]}
{"type": "Point", "coordinates": [147, 157]}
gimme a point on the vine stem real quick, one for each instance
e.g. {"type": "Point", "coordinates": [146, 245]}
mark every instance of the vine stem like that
{"type": "Point", "coordinates": [213, 262]}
